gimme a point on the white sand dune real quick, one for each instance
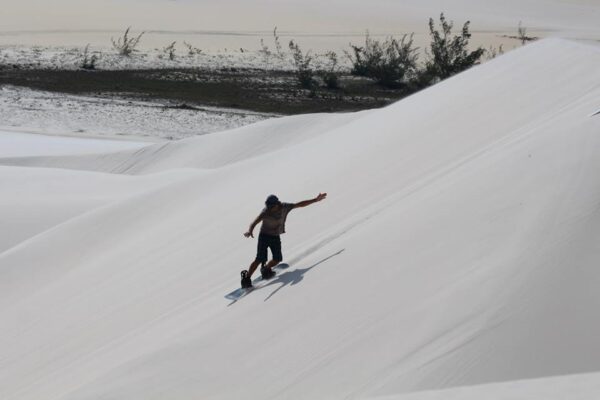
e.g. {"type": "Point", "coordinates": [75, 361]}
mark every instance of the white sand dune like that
{"type": "Point", "coordinates": [15, 144]}
{"type": "Point", "coordinates": [206, 152]}
{"type": "Point", "coordinates": [34, 200]}
{"type": "Point", "coordinates": [572, 387]}
{"type": "Point", "coordinates": [458, 246]}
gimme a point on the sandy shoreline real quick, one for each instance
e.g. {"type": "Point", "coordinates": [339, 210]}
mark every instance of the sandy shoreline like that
{"type": "Point", "coordinates": [114, 117]}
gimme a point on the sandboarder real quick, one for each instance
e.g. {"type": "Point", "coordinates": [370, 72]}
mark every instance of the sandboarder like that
{"type": "Point", "coordinates": [273, 218]}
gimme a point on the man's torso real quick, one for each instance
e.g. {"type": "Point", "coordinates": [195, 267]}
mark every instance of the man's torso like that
{"type": "Point", "coordinates": [273, 222]}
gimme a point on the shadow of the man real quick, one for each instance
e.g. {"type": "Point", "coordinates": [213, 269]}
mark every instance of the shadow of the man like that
{"type": "Point", "coordinates": [294, 277]}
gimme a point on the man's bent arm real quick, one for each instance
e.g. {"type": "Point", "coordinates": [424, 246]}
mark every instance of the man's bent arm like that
{"type": "Point", "coordinates": [253, 225]}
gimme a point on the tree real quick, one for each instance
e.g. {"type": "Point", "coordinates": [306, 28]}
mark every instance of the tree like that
{"type": "Point", "coordinates": [522, 34]}
{"type": "Point", "coordinates": [450, 55]}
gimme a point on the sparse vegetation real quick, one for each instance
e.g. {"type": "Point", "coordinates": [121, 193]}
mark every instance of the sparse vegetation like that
{"type": "Point", "coordinates": [494, 52]}
{"type": "Point", "coordinates": [449, 54]}
{"type": "Point", "coordinates": [89, 61]}
{"type": "Point", "coordinates": [125, 45]}
{"type": "Point", "coordinates": [266, 53]}
{"type": "Point", "coordinates": [192, 51]}
{"type": "Point", "coordinates": [278, 49]}
{"type": "Point", "coordinates": [302, 62]}
{"type": "Point", "coordinates": [170, 51]}
{"type": "Point", "coordinates": [522, 35]}
{"type": "Point", "coordinates": [330, 74]}
{"type": "Point", "coordinates": [390, 63]}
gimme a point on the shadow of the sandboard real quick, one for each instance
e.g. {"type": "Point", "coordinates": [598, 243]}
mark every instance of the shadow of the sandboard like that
{"type": "Point", "coordinates": [285, 279]}
{"type": "Point", "coordinates": [256, 284]}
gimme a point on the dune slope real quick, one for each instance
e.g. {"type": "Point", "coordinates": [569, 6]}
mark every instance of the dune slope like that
{"type": "Point", "coordinates": [458, 246]}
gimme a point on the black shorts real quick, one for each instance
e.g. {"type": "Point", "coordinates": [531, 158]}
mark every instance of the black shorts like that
{"type": "Point", "coordinates": [264, 243]}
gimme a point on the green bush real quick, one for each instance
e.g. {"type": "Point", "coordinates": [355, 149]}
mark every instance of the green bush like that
{"type": "Point", "coordinates": [302, 61]}
{"type": "Point", "coordinates": [169, 51]}
{"type": "Point", "coordinates": [449, 55]}
{"type": "Point", "coordinates": [330, 74]}
{"type": "Point", "coordinates": [192, 51]}
{"type": "Point", "coordinates": [126, 45]}
{"type": "Point", "coordinates": [88, 61]}
{"type": "Point", "coordinates": [390, 63]}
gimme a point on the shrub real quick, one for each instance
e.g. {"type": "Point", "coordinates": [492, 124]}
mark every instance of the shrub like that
{"type": "Point", "coordinates": [522, 34]}
{"type": "Point", "coordinates": [358, 58]}
{"type": "Point", "coordinates": [267, 53]}
{"type": "Point", "coordinates": [330, 73]}
{"type": "Point", "coordinates": [278, 48]}
{"type": "Point", "coordinates": [302, 62]}
{"type": "Point", "coordinates": [125, 45]}
{"type": "Point", "coordinates": [493, 52]}
{"type": "Point", "coordinates": [450, 55]}
{"type": "Point", "coordinates": [170, 51]}
{"type": "Point", "coordinates": [88, 62]}
{"type": "Point", "coordinates": [192, 51]}
{"type": "Point", "coordinates": [390, 63]}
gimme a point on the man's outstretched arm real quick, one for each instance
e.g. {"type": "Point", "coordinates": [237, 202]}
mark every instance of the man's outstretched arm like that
{"type": "Point", "coordinates": [305, 203]}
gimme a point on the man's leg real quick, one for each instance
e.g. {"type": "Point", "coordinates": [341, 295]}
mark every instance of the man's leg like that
{"type": "Point", "coordinates": [253, 267]}
{"type": "Point", "coordinates": [261, 254]}
{"type": "Point", "coordinates": [275, 245]}
{"type": "Point", "coordinates": [272, 263]}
